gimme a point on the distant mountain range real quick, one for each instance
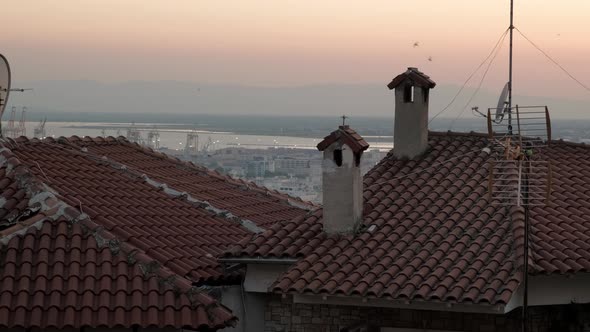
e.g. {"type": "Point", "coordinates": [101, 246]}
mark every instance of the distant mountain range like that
{"type": "Point", "coordinates": [165, 97]}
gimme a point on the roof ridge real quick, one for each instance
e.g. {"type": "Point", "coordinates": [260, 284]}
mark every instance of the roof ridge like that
{"type": "Point", "coordinates": [298, 202]}
{"type": "Point", "coordinates": [569, 143]}
{"type": "Point", "coordinates": [54, 208]}
{"type": "Point", "coordinates": [457, 133]}
{"type": "Point", "coordinates": [246, 223]}
{"type": "Point", "coordinates": [214, 214]}
{"type": "Point", "coordinates": [28, 181]}
{"type": "Point", "coordinates": [474, 134]}
{"type": "Point", "coordinates": [346, 135]}
{"type": "Point", "coordinates": [217, 212]}
{"type": "Point", "coordinates": [517, 223]}
{"type": "Point", "coordinates": [286, 198]}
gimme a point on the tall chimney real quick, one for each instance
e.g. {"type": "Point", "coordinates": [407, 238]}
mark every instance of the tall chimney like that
{"type": "Point", "coordinates": [410, 132]}
{"type": "Point", "coordinates": [341, 180]}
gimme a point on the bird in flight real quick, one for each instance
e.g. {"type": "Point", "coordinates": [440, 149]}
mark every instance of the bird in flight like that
{"type": "Point", "coordinates": [430, 58]}
{"type": "Point", "coordinates": [416, 44]}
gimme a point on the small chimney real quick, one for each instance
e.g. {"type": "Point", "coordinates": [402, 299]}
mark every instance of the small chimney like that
{"type": "Point", "coordinates": [410, 132]}
{"type": "Point", "coordinates": [341, 180]}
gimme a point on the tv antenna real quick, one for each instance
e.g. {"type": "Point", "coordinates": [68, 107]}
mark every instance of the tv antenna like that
{"type": "Point", "coordinates": [4, 85]}
{"type": "Point", "coordinates": [5, 89]}
{"type": "Point", "coordinates": [519, 176]}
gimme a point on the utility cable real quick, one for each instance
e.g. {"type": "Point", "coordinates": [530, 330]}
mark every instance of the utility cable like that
{"type": "Point", "coordinates": [500, 44]}
{"type": "Point", "coordinates": [470, 77]}
{"type": "Point", "coordinates": [554, 61]}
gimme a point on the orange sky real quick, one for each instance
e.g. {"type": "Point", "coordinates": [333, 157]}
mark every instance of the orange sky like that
{"type": "Point", "coordinates": [273, 42]}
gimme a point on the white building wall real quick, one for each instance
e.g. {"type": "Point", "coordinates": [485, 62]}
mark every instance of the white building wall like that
{"type": "Point", "coordinates": [248, 307]}
{"type": "Point", "coordinates": [554, 289]}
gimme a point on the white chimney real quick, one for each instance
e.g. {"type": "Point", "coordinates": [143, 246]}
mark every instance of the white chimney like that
{"type": "Point", "coordinates": [342, 180]}
{"type": "Point", "coordinates": [410, 132]}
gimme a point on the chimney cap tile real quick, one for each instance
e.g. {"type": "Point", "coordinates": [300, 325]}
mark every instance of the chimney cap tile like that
{"type": "Point", "coordinates": [346, 135]}
{"type": "Point", "coordinates": [417, 77]}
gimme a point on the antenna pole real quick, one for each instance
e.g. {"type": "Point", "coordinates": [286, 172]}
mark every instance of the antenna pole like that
{"type": "Point", "coordinates": [510, 69]}
{"type": "Point", "coordinates": [525, 300]}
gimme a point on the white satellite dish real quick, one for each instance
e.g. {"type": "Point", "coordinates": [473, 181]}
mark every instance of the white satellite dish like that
{"type": "Point", "coordinates": [501, 109]}
{"type": "Point", "coordinates": [4, 83]}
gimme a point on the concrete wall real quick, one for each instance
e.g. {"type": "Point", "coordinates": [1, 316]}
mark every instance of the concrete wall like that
{"type": "Point", "coordinates": [410, 134]}
{"type": "Point", "coordinates": [342, 191]}
{"type": "Point", "coordinates": [260, 277]}
{"type": "Point", "coordinates": [231, 297]}
{"type": "Point", "coordinates": [248, 307]}
{"type": "Point", "coordinates": [554, 289]}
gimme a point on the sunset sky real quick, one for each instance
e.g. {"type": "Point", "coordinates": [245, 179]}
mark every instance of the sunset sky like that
{"type": "Point", "coordinates": [269, 43]}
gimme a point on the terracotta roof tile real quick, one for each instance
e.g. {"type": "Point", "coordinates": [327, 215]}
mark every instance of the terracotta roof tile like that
{"type": "Point", "coordinates": [175, 215]}
{"type": "Point", "coordinates": [413, 75]}
{"type": "Point", "coordinates": [198, 181]}
{"type": "Point", "coordinates": [430, 233]}
{"type": "Point", "coordinates": [61, 269]}
{"type": "Point", "coordinates": [124, 187]}
{"type": "Point", "coordinates": [345, 135]}
{"type": "Point", "coordinates": [460, 230]}
{"type": "Point", "coordinates": [59, 276]}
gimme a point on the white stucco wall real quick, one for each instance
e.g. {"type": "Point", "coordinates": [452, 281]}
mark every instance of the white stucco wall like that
{"type": "Point", "coordinates": [554, 289]}
{"type": "Point", "coordinates": [247, 306]}
{"type": "Point", "coordinates": [342, 191]}
{"type": "Point", "coordinates": [410, 133]}
{"type": "Point", "coordinates": [259, 277]}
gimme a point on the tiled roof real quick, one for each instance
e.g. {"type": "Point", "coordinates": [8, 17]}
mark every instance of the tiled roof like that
{"type": "Point", "coordinates": [60, 269]}
{"type": "Point", "coordinates": [241, 198]}
{"type": "Point", "coordinates": [429, 232]}
{"type": "Point", "coordinates": [415, 76]}
{"type": "Point", "coordinates": [560, 231]}
{"type": "Point", "coordinates": [346, 135]}
{"type": "Point", "coordinates": [180, 234]}
{"type": "Point", "coordinates": [180, 214]}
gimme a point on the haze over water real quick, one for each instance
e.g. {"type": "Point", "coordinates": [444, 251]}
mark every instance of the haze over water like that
{"type": "Point", "coordinates": [294, 43]}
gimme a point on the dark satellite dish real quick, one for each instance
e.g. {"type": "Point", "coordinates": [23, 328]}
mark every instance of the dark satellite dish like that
{"type": "Point", "coordinates": [4, 83]}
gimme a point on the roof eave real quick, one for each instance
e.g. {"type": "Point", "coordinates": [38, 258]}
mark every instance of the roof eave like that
{"type": "Point", "coordinates": [485, 308]}
{"type": "Point", "coordinates": [258, 260]}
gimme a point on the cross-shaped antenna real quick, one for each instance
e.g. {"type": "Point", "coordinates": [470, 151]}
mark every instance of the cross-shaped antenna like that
{"type": "Point", "coordinates": [344, 117]}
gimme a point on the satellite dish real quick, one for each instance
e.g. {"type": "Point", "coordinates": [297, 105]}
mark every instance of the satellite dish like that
{"type": "Point", "coordinates": [4, 83]}
{"type": "Point", "coordinates": [502, 103]}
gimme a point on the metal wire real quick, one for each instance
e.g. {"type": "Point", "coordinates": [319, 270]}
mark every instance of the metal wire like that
{"type": "Point", "coordinates": [500, 43]}
{"type": "Point", "coordinates": [554, 61]}
{"type": "Point", "coordinates": [469, 78]}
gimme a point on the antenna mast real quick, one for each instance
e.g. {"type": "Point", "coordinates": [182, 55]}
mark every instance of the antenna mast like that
{"type": "Point", "coordinates": [526, 195]}
{"type": "Point", "coordinates": [510, 68]}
